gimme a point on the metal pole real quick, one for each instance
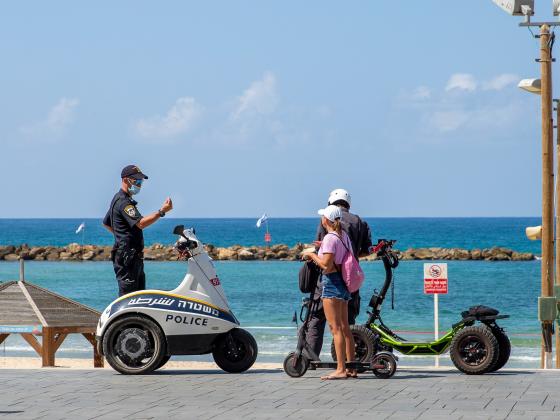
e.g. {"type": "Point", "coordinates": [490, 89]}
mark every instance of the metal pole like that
{"type": "Point", "coordinates": [21, 270]}
{"type": "Point", "coordinates": [557, 225]}
{"type": "Point", "coordinates": [436, 323]}
{"type": "Point", "coordinates": [547, 263]}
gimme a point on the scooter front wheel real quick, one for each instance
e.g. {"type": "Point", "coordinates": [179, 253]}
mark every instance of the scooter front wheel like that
{"type": "Point", "coordinates": [134, 345]}
{"type": "Point", "coordinates": [235, 351]}
{"type": "Point", "coordinates": [295, 366]}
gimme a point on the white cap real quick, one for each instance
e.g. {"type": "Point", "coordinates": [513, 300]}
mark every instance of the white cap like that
{"type": "Point", "coordinates": [339, 194]}
{"type": "Point", "coordinates": [331, 212]}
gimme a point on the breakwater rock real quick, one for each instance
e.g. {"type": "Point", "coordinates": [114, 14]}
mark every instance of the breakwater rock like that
{"type": "Point", "coordinates": [159, 252]}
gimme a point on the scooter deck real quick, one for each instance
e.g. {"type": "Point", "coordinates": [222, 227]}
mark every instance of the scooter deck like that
{"type": "Point", "coordinates": [316, 364]}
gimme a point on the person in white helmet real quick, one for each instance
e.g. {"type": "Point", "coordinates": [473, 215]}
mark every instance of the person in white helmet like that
{"type": "Point", "coordinates": [360, 237]}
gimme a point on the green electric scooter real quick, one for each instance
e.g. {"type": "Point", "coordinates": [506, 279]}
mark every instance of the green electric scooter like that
{"type": "Point", "coordinates": [477, 344]}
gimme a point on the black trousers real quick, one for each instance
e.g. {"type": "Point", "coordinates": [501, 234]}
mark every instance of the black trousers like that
{"type": "Point", "coordinates": [129, 270]}
{"type": "Point", "coordinates": [318, 321]}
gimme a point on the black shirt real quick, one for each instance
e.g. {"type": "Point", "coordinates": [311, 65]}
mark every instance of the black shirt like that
{"type": "Point", "coordinates": [358, 231]}
{"type": "Point", "coordinates": [123, 217]}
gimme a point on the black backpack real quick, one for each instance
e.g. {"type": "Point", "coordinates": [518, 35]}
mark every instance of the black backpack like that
{"type": "Point", "coordinates": [309, 274]}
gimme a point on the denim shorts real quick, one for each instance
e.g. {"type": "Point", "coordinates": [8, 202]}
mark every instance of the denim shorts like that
{"type": "Point", "coordinates": [334, 287]}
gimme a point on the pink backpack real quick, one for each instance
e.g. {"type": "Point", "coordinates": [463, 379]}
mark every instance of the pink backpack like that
{"type": "Point", "coordinates": [350, 269]}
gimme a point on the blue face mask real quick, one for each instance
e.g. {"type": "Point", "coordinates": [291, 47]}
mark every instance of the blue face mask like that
{"type": "Point", "coordinates": [134, 188]}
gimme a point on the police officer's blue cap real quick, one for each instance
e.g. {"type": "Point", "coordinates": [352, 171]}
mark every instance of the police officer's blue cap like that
{"type": "Point", "coordinates": [132, 171]}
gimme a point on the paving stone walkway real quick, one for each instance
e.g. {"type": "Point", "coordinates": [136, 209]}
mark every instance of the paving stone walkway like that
{"type": "Point", "coordinates": [261, 394]}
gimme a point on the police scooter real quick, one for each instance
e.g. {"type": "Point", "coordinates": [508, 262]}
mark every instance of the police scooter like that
{"type": "Point", "coordinates": [138, 332]}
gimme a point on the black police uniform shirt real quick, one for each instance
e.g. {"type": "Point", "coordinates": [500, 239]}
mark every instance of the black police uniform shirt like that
{"type": "Point", "coordinates": [123, 217]}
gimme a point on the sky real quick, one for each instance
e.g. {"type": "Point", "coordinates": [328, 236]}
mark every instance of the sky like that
{"type": "Point", "coordinates": [235, 108]}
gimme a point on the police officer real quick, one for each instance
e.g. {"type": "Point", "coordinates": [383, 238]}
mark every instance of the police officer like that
{"type": "Point", "coordinates": [125, 222]}
{"type": "Point", "coordinates": [360, 236]}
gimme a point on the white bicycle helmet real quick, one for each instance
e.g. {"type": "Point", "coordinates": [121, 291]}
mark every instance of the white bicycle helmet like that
{"type": "Point", "coordinates": [340, 194]}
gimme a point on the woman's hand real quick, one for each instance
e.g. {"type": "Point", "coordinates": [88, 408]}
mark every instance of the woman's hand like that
{"type": "Point", "coordinates": [307, 255]}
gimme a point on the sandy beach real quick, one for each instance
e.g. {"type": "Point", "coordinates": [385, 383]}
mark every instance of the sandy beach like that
{"type": "Point", "coordinates": [74, 363]}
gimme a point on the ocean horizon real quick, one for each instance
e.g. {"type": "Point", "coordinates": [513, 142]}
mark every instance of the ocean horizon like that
{"type": "Point", "coordinates": [410, 232]}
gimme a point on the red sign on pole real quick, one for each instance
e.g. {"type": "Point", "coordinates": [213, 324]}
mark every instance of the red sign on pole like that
{"type": "Point", "coordinates": [435, 279]}
{"type": "Point", "coordinates": [267, 237]}
{"type": "Point", "coordinates": [432, 286]}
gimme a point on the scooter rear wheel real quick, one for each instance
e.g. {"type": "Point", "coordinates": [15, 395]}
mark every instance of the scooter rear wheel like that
{"type": "Point", "coordinates": [134, 345]}
{"type": "Point", "coordinates": [235, 351]}
{"type": "Point", "coordinates": [295, 367]}
{"type": "Point", "coordinates": [388, 362]}
{"type": "Point", "coordinates": [505, 348]}
{"type": "Point", "coordinates": [474, 350]}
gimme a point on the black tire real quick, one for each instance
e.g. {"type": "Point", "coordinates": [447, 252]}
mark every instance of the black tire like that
{"type": "Point", "coordinates": [364, 343]}
{"type": "Point", "coordinates": [474, 350]}
{"type": "Point", "coordinates": [295, 368]}
{"type": "Point", "coordinates": [134, 345]}
{"type": "Point", "coordinates": [505, 348]}
{"type": "Point", "coordinates": [235, 351]}
{"type": "Point", "coordinates": [164, 360]}
{"type": "Point", "coordinates": [389, 365]}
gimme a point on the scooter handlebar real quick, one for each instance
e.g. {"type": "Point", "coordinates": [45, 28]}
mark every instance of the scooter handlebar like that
{"type": "Point", "coordinates": [382, 246]}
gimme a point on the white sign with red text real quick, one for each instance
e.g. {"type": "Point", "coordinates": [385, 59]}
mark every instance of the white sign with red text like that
{"type": "Point", "coordinates": [435, 283]}
{"type": "Point", "coordinates": [435, 279]}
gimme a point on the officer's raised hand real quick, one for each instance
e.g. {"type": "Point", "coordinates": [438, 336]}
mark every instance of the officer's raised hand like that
{"type": "Point", "coordinates": [167, 205]}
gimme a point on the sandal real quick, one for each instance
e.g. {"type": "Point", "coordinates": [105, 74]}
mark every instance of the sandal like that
{"type": "Point", "coordinates": [353, 375]}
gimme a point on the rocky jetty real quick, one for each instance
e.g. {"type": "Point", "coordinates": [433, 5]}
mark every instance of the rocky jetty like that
{"type": "Point", "coordinates": [159, 252]}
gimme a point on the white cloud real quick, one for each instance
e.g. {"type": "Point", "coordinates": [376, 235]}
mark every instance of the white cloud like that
{"type": "Point", "coordinates": [421, 93]}
{"type": "Point", "coordinates": [489, 110]}
{"type": "Point", "coordinates": [62, 113]}
{"type": "Point", "coordinates": [461, 81]}
{"type": "Point", "coordinates": [259, 99]}
{"type": "Point", "coordinates": [179, 119]}
{"type": "Point", "coordinates": [59, 117]}
{"type": "Point", "coordinates": [501, 81]}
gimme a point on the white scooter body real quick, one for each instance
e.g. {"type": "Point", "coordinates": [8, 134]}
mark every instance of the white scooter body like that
{"type": "Point", "coordinates": [190, 316]}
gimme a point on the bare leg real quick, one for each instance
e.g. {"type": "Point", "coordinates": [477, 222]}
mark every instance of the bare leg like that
{"type": "Point", "coordinates": [348, 338]}
{"type": "Point", "coordinates": [332, 312]}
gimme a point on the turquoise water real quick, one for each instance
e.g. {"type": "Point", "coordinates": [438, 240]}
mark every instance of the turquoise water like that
{"type": "Point", "coordinates": [264, 296]}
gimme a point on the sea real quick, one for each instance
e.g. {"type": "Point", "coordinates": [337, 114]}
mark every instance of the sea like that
{"type": "Point", "coordinates": [264, 295]}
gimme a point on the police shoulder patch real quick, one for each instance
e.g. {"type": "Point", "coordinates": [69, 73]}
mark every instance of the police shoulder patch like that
{"type": "Point", "coordinates": [131, 210]}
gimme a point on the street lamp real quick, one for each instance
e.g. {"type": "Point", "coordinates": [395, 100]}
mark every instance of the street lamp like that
{"type": "Point", "coordinates": [543, 86]}
{"type": "Point", "coordinates": [531, 85]}
{"type": "Point", "coordinates": [517, 7]}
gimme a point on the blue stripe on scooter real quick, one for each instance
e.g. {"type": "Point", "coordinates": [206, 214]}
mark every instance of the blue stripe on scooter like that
{"type": "Point", "coordinates": [161, 301]}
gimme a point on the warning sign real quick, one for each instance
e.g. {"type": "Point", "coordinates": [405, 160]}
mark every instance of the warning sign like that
{"type": "Point", "coordinates": [435, 279]}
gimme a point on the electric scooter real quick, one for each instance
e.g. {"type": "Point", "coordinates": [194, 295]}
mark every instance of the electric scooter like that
{"type": "Point", "coordinates": [474, 348]}
{"type": "Point", "coordinates": [138, 332]}
{"type": "Point", "coordinates": [383, 364]}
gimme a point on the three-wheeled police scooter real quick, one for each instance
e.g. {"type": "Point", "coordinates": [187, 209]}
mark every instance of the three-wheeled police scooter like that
{"type": "Point", "coordinates": [138, 332]}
